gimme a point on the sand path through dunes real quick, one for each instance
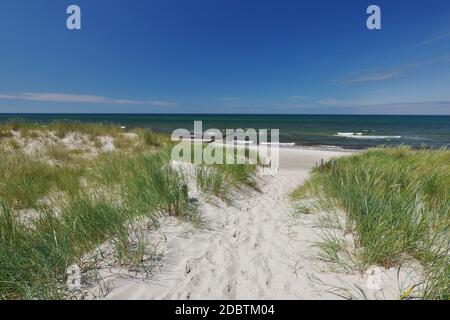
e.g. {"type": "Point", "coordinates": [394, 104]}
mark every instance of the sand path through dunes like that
{"type": "Point", "coordinates": [250, 249]}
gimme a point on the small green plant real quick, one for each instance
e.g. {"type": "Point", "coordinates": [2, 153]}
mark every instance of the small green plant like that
{"type": "Point", "coordinates": [14, 144]}
{"type": "Point", "coordinates": [152, 139]}
{"type": "Point", "coordinates": [59, 152]}
{"type": "Point", "coordinates": [220, 179]}
{"type": "Point", "coordinates": [5, 134]}
{"type": "Point", "coordinates": [152, 183]}
{"type": "Point", "coordinates": [210, 179]}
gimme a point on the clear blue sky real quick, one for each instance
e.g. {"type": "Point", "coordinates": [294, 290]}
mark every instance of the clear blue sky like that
{"type": "Point", "coordinates": [225, 56]}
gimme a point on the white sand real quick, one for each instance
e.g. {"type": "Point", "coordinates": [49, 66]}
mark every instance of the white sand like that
{"type": "Point", "coordinates": [254, 249]}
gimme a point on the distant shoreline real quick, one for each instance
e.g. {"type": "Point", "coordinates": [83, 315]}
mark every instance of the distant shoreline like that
{"type": "Point", "coordinates": [356, 132]}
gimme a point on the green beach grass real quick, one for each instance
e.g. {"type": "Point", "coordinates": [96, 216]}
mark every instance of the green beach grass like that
{"type": "Point", "coordinates": [58, 204]}
{"type": "Point", "coordinates": [396, 203]}
{"type": "Point", "coordinates": [219, 180]}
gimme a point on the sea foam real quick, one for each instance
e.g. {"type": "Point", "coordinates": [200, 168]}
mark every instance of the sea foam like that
{"type": "Point", "coordinates": [359, 135]}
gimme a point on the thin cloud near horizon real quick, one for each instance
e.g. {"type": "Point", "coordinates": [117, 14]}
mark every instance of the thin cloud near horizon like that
{"type": "Point", "coordinates": [438, 107]}
{"type": "Point", "coordinates": [434, 39]}
{"type": "Point", "coordinates": [83, 98]}
{"type": "Point", "coordinates": [388, 73]}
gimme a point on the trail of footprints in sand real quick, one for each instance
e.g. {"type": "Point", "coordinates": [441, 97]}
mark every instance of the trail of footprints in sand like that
{"type": "Point", "coordinates": [244, 258]}
{"type": "Point", "coordinates": [250, 249]}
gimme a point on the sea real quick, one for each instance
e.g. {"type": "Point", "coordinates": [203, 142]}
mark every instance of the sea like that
{"type": "Point", "coordinates": [329, 131]}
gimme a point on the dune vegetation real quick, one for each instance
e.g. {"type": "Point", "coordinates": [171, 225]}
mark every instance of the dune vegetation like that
{"type": "Point", "coordinates": [394, 205]}
{"type": "Point", "coordinates": [218, 180]}
{"type": "Point", "coordinates": [69, 188]}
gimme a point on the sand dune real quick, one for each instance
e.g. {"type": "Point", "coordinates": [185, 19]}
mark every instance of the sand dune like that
{"type": "Point", "coordinates": [253, 248]}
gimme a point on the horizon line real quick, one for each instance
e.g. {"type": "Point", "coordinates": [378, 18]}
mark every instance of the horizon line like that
{"type": "Point", "coordinates": [219, 114]}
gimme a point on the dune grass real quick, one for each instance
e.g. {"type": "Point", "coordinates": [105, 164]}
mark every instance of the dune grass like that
{"type": "Point", "coordinates": [397, 206]}
{"type": "Point", "coordinates": [219, 180]}
{"type": "Point", "coordinates": [237, 172]}
{"type": "Point", "coordinates": [25, 179]}
{"type": "Point", "coordinates": [152, 139]}
{"type": "Point", "coordinates": [145, 138]}
{"type": "Point", "coordinates": [148, 182]}
{"type": "Point", "coordinates": [60, 128]}
{"type": "Point", "coordinates": [34, 256]}
{"type": "Point", "coordinates": [57, 205]}
{"type": "Point", "coordinates": [212, 180]}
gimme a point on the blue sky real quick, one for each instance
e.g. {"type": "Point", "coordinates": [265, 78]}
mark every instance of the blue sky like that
{"type": "Point", "coordinates": [225, 56]}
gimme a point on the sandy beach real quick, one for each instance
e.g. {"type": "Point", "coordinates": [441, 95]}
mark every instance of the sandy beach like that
{"type": "Point", "coordinates": [253, 248]}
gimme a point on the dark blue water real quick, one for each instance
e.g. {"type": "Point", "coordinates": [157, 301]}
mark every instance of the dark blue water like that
{"type": "Point", "coordinates": [355, 131]}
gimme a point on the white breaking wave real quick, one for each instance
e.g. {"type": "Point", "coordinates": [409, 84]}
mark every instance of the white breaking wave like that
{"type": "Point", "coordinates": [349, 134]}
{"type": "Point", "coordinates": [359, 135]}
{"type": "Point", "coordinates": [201, 140]}
{"type": "Point", "coordinates": [278, 143]}
{"type": "Point", "coordinates": [235, 141]}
